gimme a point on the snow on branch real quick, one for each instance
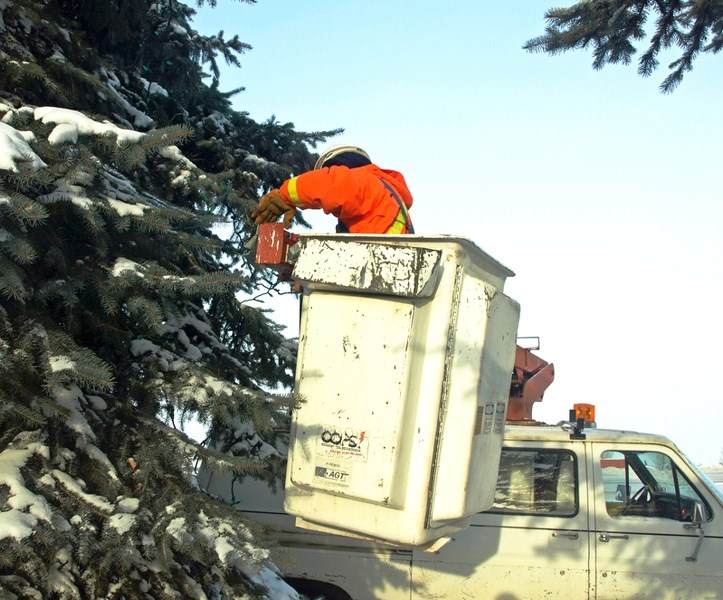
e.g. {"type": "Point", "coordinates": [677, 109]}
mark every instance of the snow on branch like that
{"type": "Point", "coordinates": [26, 507]}
{"type": "Point", "coordinates": [15, 152]}
{"type": "Point", "coordinates": [74, 123]}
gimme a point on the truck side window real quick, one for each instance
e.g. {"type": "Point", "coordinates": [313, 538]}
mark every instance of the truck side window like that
{"type": "Point", "coordinates": [536, 482]}
{"type": "Point", "coordinates": [647, 484]}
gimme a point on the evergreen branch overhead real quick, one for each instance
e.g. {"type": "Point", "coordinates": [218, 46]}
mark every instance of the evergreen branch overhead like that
{"type": "Point", "coordinates": [612, 29]}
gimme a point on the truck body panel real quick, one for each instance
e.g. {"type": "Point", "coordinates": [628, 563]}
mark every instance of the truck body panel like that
{"type": "Point", "coordinates": [559, 528]}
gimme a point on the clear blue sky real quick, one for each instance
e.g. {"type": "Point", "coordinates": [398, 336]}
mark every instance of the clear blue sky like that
{"type": "Point", "coordinates": [602, 194]}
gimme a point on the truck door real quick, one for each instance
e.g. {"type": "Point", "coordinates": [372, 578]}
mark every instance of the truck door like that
{"type": "Point", "coordinates": [646, 544]}
{"type": "Point", "coordinates": [532, 544]}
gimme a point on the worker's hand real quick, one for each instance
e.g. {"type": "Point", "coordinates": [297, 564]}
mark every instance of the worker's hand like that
{"type": "Point", "coordinates": [271, 207]}
{"type": "Point", "coordinates": [289, 216]}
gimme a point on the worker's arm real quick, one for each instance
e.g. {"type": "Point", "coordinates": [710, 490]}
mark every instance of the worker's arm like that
{"type": "Point", "coordinates": [331, 189]}
{"type": "Point", "coordinates": [357, 197]}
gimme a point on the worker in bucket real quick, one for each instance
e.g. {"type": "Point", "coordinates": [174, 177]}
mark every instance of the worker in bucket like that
{"type": "Point", "coordinates": [344, 183]}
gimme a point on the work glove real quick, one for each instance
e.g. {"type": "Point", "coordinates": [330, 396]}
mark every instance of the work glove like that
{"type": "Point", "coordinates": [271, 207]}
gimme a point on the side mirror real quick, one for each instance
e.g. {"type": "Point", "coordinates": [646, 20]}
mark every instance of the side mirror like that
{"type": "Point", "coordinates": [697, 516]}
{"type": "Point", "coordinates": [695, 525]}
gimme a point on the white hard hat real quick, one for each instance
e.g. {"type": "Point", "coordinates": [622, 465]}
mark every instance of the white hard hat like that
{"type": "Point", "coordinates": [336, 151]}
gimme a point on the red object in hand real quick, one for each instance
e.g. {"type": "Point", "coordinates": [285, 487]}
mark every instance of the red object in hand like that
{"type": "Point", "coordinates": [273, 246]}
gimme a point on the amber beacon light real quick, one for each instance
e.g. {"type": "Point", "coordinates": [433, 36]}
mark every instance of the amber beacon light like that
{"type": "Point", "coordinates": [586, 412]}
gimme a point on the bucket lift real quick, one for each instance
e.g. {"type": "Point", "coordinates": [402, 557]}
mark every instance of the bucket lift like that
{"type": "Point", "coordinates": [406, 350]}
{"type": "Point", "coordinates": [531, 375]}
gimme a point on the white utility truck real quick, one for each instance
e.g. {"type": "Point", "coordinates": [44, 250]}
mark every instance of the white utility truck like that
{"type": "Point", "coordinates": [416, 471]}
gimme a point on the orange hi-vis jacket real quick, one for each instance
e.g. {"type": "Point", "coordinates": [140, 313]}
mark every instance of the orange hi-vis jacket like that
{"type": "Point", "coordinates": [357, 197]}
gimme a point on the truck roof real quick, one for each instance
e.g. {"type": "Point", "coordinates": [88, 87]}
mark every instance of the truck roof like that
{"type": "Point", "coordinates": [531, 431]}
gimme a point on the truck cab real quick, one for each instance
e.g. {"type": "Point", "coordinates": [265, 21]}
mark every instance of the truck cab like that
{"type": "Point", "coordinates": [594, 514]}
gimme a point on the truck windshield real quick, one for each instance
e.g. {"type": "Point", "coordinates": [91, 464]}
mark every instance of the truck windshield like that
{"type": "Point", "coordinates": [717, 492]}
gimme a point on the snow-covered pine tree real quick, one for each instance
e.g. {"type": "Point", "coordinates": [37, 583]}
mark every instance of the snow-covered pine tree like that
{"type": "Point", "coordinates": [119, 316]}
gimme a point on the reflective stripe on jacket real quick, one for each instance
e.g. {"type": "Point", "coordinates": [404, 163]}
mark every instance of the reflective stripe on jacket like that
{"type": "Point", "coordinates": [356, 197]}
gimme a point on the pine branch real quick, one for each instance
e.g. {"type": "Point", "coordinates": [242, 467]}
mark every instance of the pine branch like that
{"type": "Point", "coordinates": [11, 282]}
{"type": "Point", "coordinates": [21, 250]}
{"type": "Point", "coordinates": [70, 363]}
{"type": "Point", "coordinates": [167, 136]}
{"type": "Point", "coordinates": [610, 27]}
{"type": "Point", "coordinates": [24, 210]}
{"type": "Point", "coordinates": [145, 311]}
{"type": "Point", "coordinates": [27, 415]}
